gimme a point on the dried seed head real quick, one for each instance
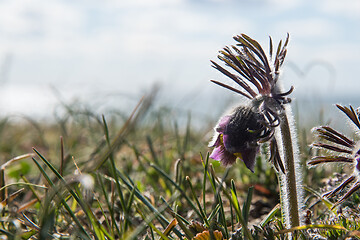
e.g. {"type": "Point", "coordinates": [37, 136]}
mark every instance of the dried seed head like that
{"type": "Point", "coordinates": [341, 149]}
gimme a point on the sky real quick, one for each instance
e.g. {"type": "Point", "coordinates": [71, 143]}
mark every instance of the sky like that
{"type": "Point", "coordinates": [112, 52]}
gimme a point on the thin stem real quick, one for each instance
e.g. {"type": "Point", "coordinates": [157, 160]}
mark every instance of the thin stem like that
{"type": "Point", "coordinates": [290, 192]}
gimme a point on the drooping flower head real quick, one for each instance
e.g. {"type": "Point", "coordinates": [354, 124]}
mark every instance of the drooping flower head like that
{"type": "Point", "coordinates": [239, 134]}
{"type": "Point", "coordinates": [342, 150]}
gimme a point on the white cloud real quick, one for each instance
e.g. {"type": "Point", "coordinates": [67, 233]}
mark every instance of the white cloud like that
{"type": "Point", "coordinates": [32, 27]}
{"type": "Point", "coordinates": [36, 17]}
{"type": "Point", "coordinates": [144, 3]}
{"type": "Point", "coordinates": [125, 44]}
{"type": "Point", "coordinates": [282, 5]}
{"type": "Point", "coordinates": [346, 8]}
{"type": "Point", "coordinates": [308, 28]}
{"type": "Point", "coordinates": [139, 27]}
{"type": "Point", "coordinates": [176, 31]}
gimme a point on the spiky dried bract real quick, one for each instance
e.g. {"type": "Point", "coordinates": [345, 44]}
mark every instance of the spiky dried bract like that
{"type": "Point", "coordinates": [275, 156]}
{"type": "Point", "coordinates": [249, 125]}
{"type": "Point", "coordinates": [350, 112]}
{"type": "Point", "coordinates": [341, 150]}
{"type": "Point", "coordinates": [249, 60]}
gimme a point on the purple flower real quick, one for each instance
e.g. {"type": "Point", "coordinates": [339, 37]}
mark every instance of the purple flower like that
{"type": "Point", "coordinates": [239, 134]}
{"type": "Point", "coordinates": [233, 139]}
{"type": "Point", "coordinates": [343, 150]}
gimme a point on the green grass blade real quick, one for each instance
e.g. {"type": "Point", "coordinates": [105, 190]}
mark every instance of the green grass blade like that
{"type": "Point", "coordinates": [129, 204]}
{"type": "Point", "coordinates": [214, 212]}
{"type": "Point", "coordinates": [168, 178]}
{"type": "Point", "coordinates": [152, 150]}
{"type": "Point", "coordinates": [222, 215]}
{"type": "Point", "coordinates": [68, 209]}
{"type": "Point", "coordinates": [203, 216]}
{"type": "Point", "coordinates": [233, 200]}
{"type": "Point", "coordinates": [270, 215]}
{"type": "Point", "coordinates": [150, 224]}
{"type": "Point", "coordinates": [53, 169]}
{"type": "Point", "coordinates": [327, 203]}
{"type": "Point", "coordinates": [187, 136]}
{"type": "Point", "coordinates": [111, 209]}
{"type": "Point", "coordinates": [205, 165]}
{"type": "Point", "coordinates": [113, 170]}
{"type": "Point", "coordinates": [183, 227]}
{"type": "Point", "coordinates": [44, 174]}
{"type": "Point", "coordinates": [143, 199]}
{"type": "Point", "coordinates": [234, 196]}
{"type": "Point", "coordinates": [31, 188]}
{"type": "Point", "coordinates": [247, 204]}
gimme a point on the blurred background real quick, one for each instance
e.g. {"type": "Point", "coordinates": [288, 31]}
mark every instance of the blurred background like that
{"type": "Point", "coordinates": [109, 53]}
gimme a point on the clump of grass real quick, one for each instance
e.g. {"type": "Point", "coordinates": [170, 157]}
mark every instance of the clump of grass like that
{"type": "Point", "coordinates": [142, 175]}
{"type": "Point", "coordinates": [100, 181]}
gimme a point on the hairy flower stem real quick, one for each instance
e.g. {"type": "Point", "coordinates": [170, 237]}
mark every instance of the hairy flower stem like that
{"type": "Point", "coordinates": [290, 191]}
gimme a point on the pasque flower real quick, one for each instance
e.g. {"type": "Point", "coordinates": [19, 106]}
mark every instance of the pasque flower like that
{"type": "Point", "coordinates": [238, 134]}
{"type": "Point", "coordinates": [234, 139]}
{"type": "Point", "coordinates": [342, 150]}
{"type": "Point", "coordinates": [264, 117]}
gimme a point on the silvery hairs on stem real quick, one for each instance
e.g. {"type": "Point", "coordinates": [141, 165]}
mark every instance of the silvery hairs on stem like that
{"type": "Point", "coordinates": [240, 133]}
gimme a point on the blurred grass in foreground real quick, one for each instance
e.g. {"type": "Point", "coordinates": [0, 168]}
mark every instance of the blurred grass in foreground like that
{"type": "Point", "coordinates": [141, 175]}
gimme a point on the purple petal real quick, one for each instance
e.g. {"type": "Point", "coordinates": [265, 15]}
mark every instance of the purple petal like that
{"type": "Point", "coordinates": [226, 143]}
{"type": "Point", "coordinates": [220, 154]}
{"type": "Point", "coordinates": [249, 157]}
{"type": "Point", "coordinates": [357, 159]}
{"type": "Point", "coordinates": [220, 127]}
{"type": "Point", "coordinates": [215, 141]}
